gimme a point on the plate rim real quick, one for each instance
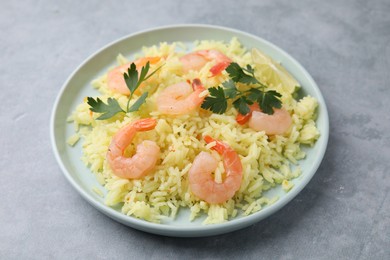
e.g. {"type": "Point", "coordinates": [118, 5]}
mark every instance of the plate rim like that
{"type": "Point", "coordinates": [204, 230]}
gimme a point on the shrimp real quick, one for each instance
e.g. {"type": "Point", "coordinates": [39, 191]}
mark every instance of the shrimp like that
{"type": "Point", "coordinates": [196, 61]}
{"type": "Point", "coordinates": [145, 158]}
{"type": "Point", "coordinates": [180, 98]}
{"type": "Point", "coordinates": [115, 79]}
{"type": "Point", "coordinates": [201, 181]}
{"type": "Point", "coordinates": [276, 124]}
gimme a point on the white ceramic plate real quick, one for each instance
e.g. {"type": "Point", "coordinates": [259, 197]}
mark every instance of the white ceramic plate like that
{"type": "Point", "coordinates": [78, 86]}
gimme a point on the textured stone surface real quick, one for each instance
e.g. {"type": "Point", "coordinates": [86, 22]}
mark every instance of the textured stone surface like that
{"type": "Point", "coordinates": [343, 212]}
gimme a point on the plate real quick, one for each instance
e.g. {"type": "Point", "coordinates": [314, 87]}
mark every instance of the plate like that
{"type": "Point", "coordinates": [78, 86]}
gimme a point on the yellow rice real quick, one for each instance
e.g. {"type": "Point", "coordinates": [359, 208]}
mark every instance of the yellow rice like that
{"type": "Point", "coordinates": [266, 160]}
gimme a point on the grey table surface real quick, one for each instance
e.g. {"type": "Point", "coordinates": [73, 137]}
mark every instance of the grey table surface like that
{"type": "Point", "coordinates": [343, 213]}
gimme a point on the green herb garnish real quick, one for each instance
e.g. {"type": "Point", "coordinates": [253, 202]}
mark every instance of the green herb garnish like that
{"type": "Point", "coordinates": [132, 82]}
{"type": "Point", "coordinates": [217, 100]}
{"type": "Point", "coordinates": [108, 110]}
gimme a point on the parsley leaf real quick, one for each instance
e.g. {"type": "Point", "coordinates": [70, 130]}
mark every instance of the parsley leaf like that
{"type": "Point", "coordinates": [250, 70]}
{"type": "Point", "coordinates": [109, 110]}
{"type": "Point", "coordinates": [241, 104]}
{"type": "Point", "coordinates": [230, 89]}
{"type": "Point", "coordinates": [144, 72]}
{"type": "Point", "coordinates": [138, 103]}
{"type": "Point", "coordinates": [267, 100]}
{"type": "Point", "coordinates": [254, 94]}
{"type": "Point", "coordinates": [238, 74]}
{"type": "Point", "coordinates": [216, 101]}
{"type": "Point", "coordinates": [132, 82]}
{"type": "Point", "coordinates": [131, 77]}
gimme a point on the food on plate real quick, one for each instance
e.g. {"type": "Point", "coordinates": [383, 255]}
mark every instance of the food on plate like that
{"type": "Point", "coordinates": [180, 98]}
{"type": "Point", "coordinates": [200, 178]}
{"type": "Point", "coordinates": [210, 128]}
{"type": "Point", "coordinates": [198, 59]}
{"type": "Point", "coordinates": [276, 124]}
{"type": "Point", "coordinates": [115, 79]}
{"type": "Point", "coordinates": [145, 158]}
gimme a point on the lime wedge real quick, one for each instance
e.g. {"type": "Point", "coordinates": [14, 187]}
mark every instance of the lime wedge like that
{"type": "Point", "coordinates": [273, 73]}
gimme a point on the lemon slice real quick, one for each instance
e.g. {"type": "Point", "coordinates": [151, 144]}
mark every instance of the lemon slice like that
{"type": "Point", "coordinates": [273, 73]}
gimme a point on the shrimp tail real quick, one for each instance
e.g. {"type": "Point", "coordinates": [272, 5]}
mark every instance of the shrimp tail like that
{"type": "Point", "coordinates": [218, 68]}
{"type": "Point", "coordinates": [197, 85]}
{"type": "Point", "coordinates": [145, 124]}
{"type": "Point", "coordinates": [142, 61]}
{"type": "Point", "coordinates": [220, 147]}
{"type": "Point", "coordinates": [208, 139]}
{"type": "Point", "coordinates": [242, 119]}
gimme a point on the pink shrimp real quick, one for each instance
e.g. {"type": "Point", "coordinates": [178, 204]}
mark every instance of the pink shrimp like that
{"type": "Point", "coordinates": [145, 158]}
{"type": "Point", "coordinates": [115, 80]}
{"type": "Point", "coordinates": [196, 61]}
{"type": "Point", "coordinates": [180, 98]}
{"type": "Point", "coordinates": [201, 181]}
{"type": "Point", "coordinates": [276, 124]}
